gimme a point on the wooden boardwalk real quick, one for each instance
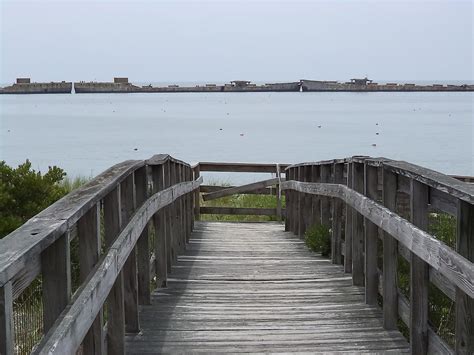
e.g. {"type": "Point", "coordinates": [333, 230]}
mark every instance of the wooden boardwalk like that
{"type": "Point", "coordinates": [251, 287]}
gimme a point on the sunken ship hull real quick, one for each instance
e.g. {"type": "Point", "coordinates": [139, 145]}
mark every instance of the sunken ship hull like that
{"type": "Point", "coordinates": [38, 88]}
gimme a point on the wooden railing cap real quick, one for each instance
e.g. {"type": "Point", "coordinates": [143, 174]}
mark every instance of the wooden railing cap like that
{"type": "Point", "coordinates": [159, 159]}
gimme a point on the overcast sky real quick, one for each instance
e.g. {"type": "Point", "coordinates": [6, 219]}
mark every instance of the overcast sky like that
{"type": "Point", "coordinates": [225, 40]}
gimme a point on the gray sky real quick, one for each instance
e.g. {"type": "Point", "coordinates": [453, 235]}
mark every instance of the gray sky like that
{"type": "Point", "coordinates": [226, 40]}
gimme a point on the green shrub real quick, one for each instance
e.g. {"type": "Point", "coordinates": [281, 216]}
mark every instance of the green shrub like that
{"type": "Point", "coordinates": [25, 192]}
{"type": "Point", "coordinates": [318, 239]}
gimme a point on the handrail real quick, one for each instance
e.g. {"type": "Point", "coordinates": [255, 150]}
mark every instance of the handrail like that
{"type": "Point", "coordinates": [73, 324]}
{"type": "Point", "coordinates": [37, 234]}
{"type": "Point", "coordinates": [434, 252]}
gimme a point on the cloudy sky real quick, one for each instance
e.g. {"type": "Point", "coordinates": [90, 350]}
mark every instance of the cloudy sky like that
{"type": "Point", "coordinates": [225, 40]}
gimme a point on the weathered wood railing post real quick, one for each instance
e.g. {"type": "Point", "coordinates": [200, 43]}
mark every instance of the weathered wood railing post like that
{"type": "Point", "coordinates": [300, 209]}
{"type": "Point", "coordinates": [197, 197]}
{"type": "Point", "coordinates": [115, 302]}
{"type": "Point", "coordinates": [348, 227]}
{"type": "Point", "coordinates": [160, 224]}
{"type": "Point", "coordinates": [56, 271]}
{"type": "Point", "coordinates": [288, 204]}
{"type": "Point", "coordinates": [189, 209]}
{"type": "Point", "coordinates": [390, 254]}
{"type": "Point", "coordinates": [419, 273]}
{"type": "Point", "coordinates": [169, 219]}
{"type": "Point", "coordinates": [316, 177]}
{"type": "Point", "coordinates": [465, 304]}
{"type": "Point", "coordinates": [143, 243]}
{"type": "Point", "coordinates": [307, 210]}
{"type": "Point", "coordinates": [179, 214]}
{"type": "Point", "coordinates": [89, 241]}
{"type": "Point", "coordinates": [174, 217]}
{"type": "Point", "coordinates": [337, 205]}
{"type": "Point", "coordinates": [325, 173]}
{"type": "Point", "coordinates": [371, 237]}
{"type": "Point", "coordinates": [278, 192]}
{"type": "Point", "coordinates": [292, 202]}
{"type": "Point", "coordinates": [130, 280]}
{"type": "Point", "coordinates": [357, 228]}
{"type": "Point", "coordinates": [7, 333]}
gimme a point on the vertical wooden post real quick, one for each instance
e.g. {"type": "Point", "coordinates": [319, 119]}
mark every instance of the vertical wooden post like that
{"type": "Point", "coordinates": [190, 204]}
{"type": "Point", "coordinates": [143, 243]}
{"type": "Point", "coordinates": [465, 304]}
{"type": "Point", "coordinates": [419, 277]}
{"type": "Point", "coordinates": [371, 238]}
{"type": "Point", "coordinates": [7, 333]}
{"type": "Point", "coordinates": [278, 193]}
{"type": "Point", "coordinates": [308, 200]}
{"type": "Point", "coordinates": [325, 172]}
{"type": "Point", "coordinates": [287, 204]}
{"type": "Point", "coordinates": [88, 234]}
{"type": "Point", "coordinates": [159, 222]}
{"type": "Point", "coordinates": [179, 215]}
{"type": "Point", "coordinates": [336, 256]}
{"type": "Point", "coordinates": [174, 216]}
{"type": "Point", "coordinates": [390, 255]}
{"type": "Point", "coordinates": [348, 227]}
{"type": "Point", "coordinates": [316, 177]}
{"type": "Point", "coordinates": [300, 204]}
{"type": "Point", "coordinates": [169, 219]}
{"type": "Point", "coordinates": [291, 204]}
{"type": "Point", "coordinates": [197, 195]}
{"type": "Point", "coordinates": [115, 303]}
{"type": "Point", "coordinates": [130, 279]}
{"type": "Point", "coordinates": [357, 228]}
{"type": "Point", "coordinates": [56, 272]}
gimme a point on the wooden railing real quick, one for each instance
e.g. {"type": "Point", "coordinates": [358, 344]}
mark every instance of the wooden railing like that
{"type": "Point", "coordinates": [362, 199]}
{"type": "Point", "coordinates": [113, 217]}
{"type": "Point", "coordinates": [266, 187]}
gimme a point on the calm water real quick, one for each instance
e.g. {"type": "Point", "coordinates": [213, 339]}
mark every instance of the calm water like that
{"type": "Point", "coordinates": [85, 134]}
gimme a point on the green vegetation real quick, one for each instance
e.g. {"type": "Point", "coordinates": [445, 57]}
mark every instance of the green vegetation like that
{"type": "Point", "coordinates": [318, 239]}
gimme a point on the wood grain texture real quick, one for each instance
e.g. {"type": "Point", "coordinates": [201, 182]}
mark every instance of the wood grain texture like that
{"type": "Point", "coordinates": [358, 228]}
{"type": "Point", "coordinates": [240, 211]}
{"type": "Point", "coordinates": [7, 333]}
{"type": "Point", "coordinates": [240, 189]}
{"type": "Point", "coordinates": [280, 298]}
{"type": "Point", "coordinates": [240, 167]}
{"type": "Point", "coordinates": [348, 227]}
{"type": "Point", "coordinates": [371, 232]}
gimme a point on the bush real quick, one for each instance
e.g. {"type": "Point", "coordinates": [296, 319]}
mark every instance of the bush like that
{"type": "Point", "coordinates": [318, 239]}
{"type": "Point", "coordinates": [25, 192]}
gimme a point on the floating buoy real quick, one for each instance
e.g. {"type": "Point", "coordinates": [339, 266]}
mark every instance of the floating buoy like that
{"type": "Point", "coordinates": [241, 134]}
{"type": "Point", "coordinates": [220, 129]}
{"type": "Point", "coordinates": [319, 126]}
{"type": "Point", "coordinates": [374, 145]}
{"type": "Point", "coordinates": [377, 133]}
{"type": "Point", "coordinates": [135, 148]}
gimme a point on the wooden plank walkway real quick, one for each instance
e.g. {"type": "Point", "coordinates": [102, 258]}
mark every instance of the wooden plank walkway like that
{"type": "Point", "coordinates": [251, 287]}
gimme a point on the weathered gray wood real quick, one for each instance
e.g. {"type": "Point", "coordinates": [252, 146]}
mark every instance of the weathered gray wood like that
{"type": "Point", "coordinates": [56, 285]}
{"type": "Point", "coordinates": [337, 205]}
{"type": "Point", "coordinates": [371, 238]}
{"type": "Point", "coordinates": [239, 211]}
{"type": "Point", "coordinates": [316, 201]}
{"type": "Point", "coordinates": [174, 243]}
{"type": "Point", "coordinates": [7, 333]}
{"type": "Point", "coordinates": [169, 219]}
{"type": "Point", "coordinates": [348, 227]}
{"type": "Point", "coordinates": [438, 255]}
{"type": "Point", "coordinates": [73, 324]}
{"type": "Point", "coordinates": [307, 208]}
{"type": "Point", "coordinates": [292, 202]}
{"type": "Point", "coordinates": [464, 303]}
{"type": "Point", "coordinates": [88, 234]}
{"type": "Point", "coordinates": [115, 301]}
{"type": "Point", "coordinates": [28, 241]}
{"type": "Point", "coordinates": [239, 167]}
{"type": "Point", "coordinates": [287, 204]}
{"type": "Point", "coordinates": [390, 255]}
{"type": "Point", "coordinates": [197, 195]}
{"type": "Point", "coordinates": [143, 244]}
{"type": "Point", "coordinates": [278, 192]}
{"type": "Point", "coordinates": [179, 215]}
{"type": "Point", "coordinates": [325, 171]}
{"type": "Point", "coordinates": [240, 189]}
{"type": "Point", "coordinates": [300, 208]}
{"type": "Point", "coordinates": [214, 188]}
{"type": "Point", "coordinates": [358, 228]}
{"type": "Point", "coordinates": [419, 273]}
{"type": "Point", "coordinates": [443, 202]}
{"type": "Point", "coordinates": [160, 223]}
{"type": "Point", "coordinates": [130, 278]}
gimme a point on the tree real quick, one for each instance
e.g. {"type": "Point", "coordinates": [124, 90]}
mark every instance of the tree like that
{"type": "Point", "coordinates": [25, 192]}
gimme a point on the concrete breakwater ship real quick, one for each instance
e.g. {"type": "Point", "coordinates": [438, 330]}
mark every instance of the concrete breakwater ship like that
{"type": "Point", "coordinates": [25, 86]}
{"type": "Point", "coordinates": [122, 85]}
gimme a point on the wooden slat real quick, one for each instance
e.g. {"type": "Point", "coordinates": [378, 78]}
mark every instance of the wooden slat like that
{"type": "Point", "coordinates": [7, 333]}
{"type": "Point", "coordinates": [239, 211]}
{"type": "Point", "coordinates": [371, 237]}
{"type": "Point", "coordinates": [358, 228]}
{"type": "Point", "coordinates": [197, 198]}
{"type": "Point", "coordinates": [240, 189]}
{"type": "Point", "coordinates": [337, 206]}
{"type": "Point", "coordinates": [240, 167]}
{"type": "Point", "coordinates": [160, 223]}
{"type": "Point", "coordinates": [443, 202]}
{"type": "Point", "coordinates": [464, 303]}
{"type": "Point", "coordinates": [348, 227]}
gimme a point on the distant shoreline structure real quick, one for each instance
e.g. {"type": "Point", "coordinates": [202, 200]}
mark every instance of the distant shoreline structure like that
{"type": "Point", "coordinates": [122, 85]}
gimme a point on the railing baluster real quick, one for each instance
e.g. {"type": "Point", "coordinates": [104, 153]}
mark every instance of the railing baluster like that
{"type": "Point", "coordinates": [357, 228]}
{"type": "Point", "coordinates": [419, 276]}
{"type": "Point", "coordinates": [143, 243]}
{"type": "Point", "coordinates": [307, 199]}
{"type": "Point", "coordinates": [174, 217]}
{"type": "Point", "coordinates": [337, 205]}
{"type": "Point", "coordinates": [115, 303]}
{"type": "Point", "coordinates": [291, 205]}
{"type": "Point", "coordinates": [371, 238]}
{"type": "Point", "coordinates": [56, 272]}
{"type": "Point", "coordinates": [325, 173]}
{"type": "Point", "coordinates": [197, 198]}
{"type": "Point", "coordinates": [161, 225]}
{"type": "Point", "coordinates": [169, 219]}
{"type": "Point", "coordinates": [88, 234]}
{"type": "Point", "coordinates": [300, 209]}
{"type": "Point", "coordinates": [7, 341]}
{"type": "Point", "coordinates": [278, 193]}
{"type": "Point", "coordinates": [465, 304]}
{"type": "Point", "coordinates": [390, 255]}
{"type": "Point", "coordinates": [348, 227]}
{"type": "Point", "coordinates": [316, 173]}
